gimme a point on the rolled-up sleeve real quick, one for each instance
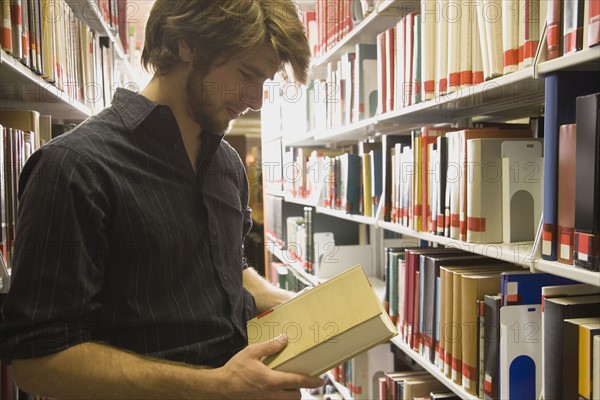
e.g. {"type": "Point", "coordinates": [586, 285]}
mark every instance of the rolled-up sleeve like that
{"type": "Point", "coordinates": [59, 253]}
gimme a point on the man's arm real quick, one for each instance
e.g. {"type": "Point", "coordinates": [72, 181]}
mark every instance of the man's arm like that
{"type": "Point", "coordinates": [265, 293]}
{"type": "Point", "coordinates": [93, 370]}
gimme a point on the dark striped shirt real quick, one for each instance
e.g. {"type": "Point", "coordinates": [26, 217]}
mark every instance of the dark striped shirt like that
{"type": "Point", "coordinates": [119, 241]}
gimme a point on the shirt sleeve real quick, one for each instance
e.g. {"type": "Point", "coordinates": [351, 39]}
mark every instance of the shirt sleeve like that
{"type": "Point", "coordinates": [58, 257]}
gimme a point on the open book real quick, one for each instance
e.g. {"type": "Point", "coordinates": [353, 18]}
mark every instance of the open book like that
{"type": "Point", "coordinates": [326, 325]}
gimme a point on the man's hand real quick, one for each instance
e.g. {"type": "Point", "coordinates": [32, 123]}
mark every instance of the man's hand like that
{"type": "Point", "coordinates": [246, 377]}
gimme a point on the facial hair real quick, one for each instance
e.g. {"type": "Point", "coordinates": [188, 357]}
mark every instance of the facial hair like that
{"type": "Point", "coordinates": [205, 112]}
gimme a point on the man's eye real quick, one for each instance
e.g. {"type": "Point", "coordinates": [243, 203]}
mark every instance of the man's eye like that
{"type": "Point", "coordinates": [245, 74]}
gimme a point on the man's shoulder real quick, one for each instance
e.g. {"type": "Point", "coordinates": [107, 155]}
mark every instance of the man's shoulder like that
{"type": "Point", "coordinates": [92, 136]}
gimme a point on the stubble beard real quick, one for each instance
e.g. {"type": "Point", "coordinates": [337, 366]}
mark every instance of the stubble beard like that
{"type": "Point", "coordinates": [205, 113]}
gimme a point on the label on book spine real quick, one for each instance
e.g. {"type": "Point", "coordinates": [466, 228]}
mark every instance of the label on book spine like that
{"type": "Point", "coordinates": [548, 233]}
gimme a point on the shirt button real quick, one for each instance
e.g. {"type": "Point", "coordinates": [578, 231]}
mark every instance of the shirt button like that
{"type": "Point", "coordinates": [224, 277]}
{"type": "Point", "coordinates": [177, 147]}
{"type": "Point", "coordinates": [214, 232]}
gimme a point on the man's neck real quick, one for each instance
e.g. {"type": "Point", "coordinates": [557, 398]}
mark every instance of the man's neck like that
{"type": "Point", "coordinates": [167, 90]}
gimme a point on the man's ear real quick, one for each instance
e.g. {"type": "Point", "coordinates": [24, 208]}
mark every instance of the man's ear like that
{"type": "Point", "coordinates": [186, 54]}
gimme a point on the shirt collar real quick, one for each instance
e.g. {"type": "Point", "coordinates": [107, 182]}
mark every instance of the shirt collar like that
{"type": "Point", "coordinates": [132, 107]}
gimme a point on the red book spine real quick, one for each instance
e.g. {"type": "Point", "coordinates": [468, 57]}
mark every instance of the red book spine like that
{"type": "Point", "coordinates": [553, 34]}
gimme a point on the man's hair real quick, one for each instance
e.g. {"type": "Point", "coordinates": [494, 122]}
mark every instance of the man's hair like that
{"type": "Point", "coordinates": [230, 28]}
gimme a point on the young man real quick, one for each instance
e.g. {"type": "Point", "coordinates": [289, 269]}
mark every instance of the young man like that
{"type": "Point", "coordinates": [129, 279]}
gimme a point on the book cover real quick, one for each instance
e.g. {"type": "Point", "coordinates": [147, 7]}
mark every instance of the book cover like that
{"type": "Point", "coordinates": [390, 68]}
{"type": "Point", "coordinates": [529, 19]}
{"type": "Point", "coordinates": [430, 272]}
{"type": "Point", "coordinates": [366, 197]}
{"type": "Point", "coordinates": [474, 288]}
{"type": "Point", "coordinates": [524, 287]}
{"type": "Point", "coordinates": [442, 149]}
{"type": "Point", "coordinates": [399, 62]}
{"type": "Point", "coordinates": [556, 310]}
{"type": "Point", "coordinates": [388, 142]}
{"type": "Point", "coordinates": [413, 262]}
{"type": "Point", "coordinates": [596, 368]}
{"type": "Point", "coordinates": [416, 92]}
{"type": "Point", "coordinates": [571, 356]}
{"type": "Point", "coordinates": [572, 26]}
{"type": "Point", "coordinates": [366, 81]}
{"type": "Point", "coordinates": [376, 179]}
{"type": "Point", "coordinates": [441, 55]}
{"type": "Point", "coordinates": [494, 35]}
{"type": "Point", "coordinates": [587, 331]}
{"type": "Point", "coordinates": [326, 325]}
{"type": "Point", "coordinates": [491, 346]}
{"type": "Point", "coordinates": [480, 21]}
{"type": "Point", "coordinates": [587, 180]}
{"type": "Point", "coordinates": [382, 76]}
{"type": "Point", "coordinates": [467, 19]}
{"type": "Point", "coordinates": [554, 35]}
{"type": "Point", "coordinates": [428, 48]}
{"type": "Point", "coordinates": [350, 192]}
{"type": "Point", "coordinates": [562, 89]}
{"type": "Point", "coordinates": [566, 192]}
{"type": "Point", "coordinates": [456, 319]}
{"type": "Point", "coordinates": [510, 34]}
{"type": "Point", "coordinates": [477, 75]}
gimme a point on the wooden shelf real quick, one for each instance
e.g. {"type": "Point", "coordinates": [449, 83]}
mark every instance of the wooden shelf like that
{"type": "Point", "coordinates": [567, 271]}
{"type": "Point", "coordinates": [433, 370]}
{"type": "Point", "coordinates": [24, 89]}
{"type": "Point", "coordinates": [518, 253]}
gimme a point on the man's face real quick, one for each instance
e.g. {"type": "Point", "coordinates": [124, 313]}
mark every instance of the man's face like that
{"type": "Point", "coordinates": [229, 90]}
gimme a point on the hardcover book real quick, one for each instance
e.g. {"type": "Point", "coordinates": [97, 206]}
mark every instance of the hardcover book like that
{"type": "Point", "coordinates": [326, 325]}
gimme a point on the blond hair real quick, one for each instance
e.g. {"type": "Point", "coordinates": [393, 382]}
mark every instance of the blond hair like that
{"type": "Point", "coordinates": [225, 28]}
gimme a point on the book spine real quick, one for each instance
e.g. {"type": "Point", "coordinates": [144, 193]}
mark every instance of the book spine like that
{"type": "Point", "coordinates": [566, 192]}
{"type": "Point", "coordinates": [587, 182]}
{"type": "Point", "coordinates": [572, 26]}
{"type": "Point", "coordinates": [553, 35]}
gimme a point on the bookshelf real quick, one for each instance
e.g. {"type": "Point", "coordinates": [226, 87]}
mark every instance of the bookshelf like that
{"type": "Point", "coordinates": [21, 87]}
{"type": "Point", "coordinates": [512, 97]}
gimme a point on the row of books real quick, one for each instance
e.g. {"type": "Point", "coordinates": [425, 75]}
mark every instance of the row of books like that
{"type": "Point", "coordinates": [15, 147]}
{"type": "Point", "coordinates": [445, 47]}
{"type": "Point", "coordinates": [439, 180]}
{"type": "Point", "coordinates": [404, 385]}
{"type": "Point", "coordinates": [330, 20]}
{"type": "Point", "coordinates": [49, 39]}
{"type": "Point", "coordinates": [470, 316]}
{"type": "Point", "coordinates": [442, 179]}
{"type": "Point", "coordinates": [571, 221]}
{"type": "Point", "coordinates": [360, 374]}
{"type": "Point", "coordinates": [21, 133]}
